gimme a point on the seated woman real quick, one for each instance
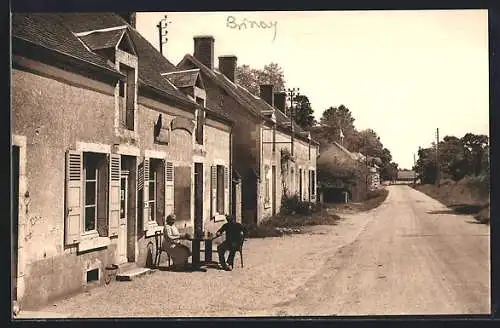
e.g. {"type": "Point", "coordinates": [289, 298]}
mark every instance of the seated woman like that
{"type": "Point", "coordinates": [171, 244]}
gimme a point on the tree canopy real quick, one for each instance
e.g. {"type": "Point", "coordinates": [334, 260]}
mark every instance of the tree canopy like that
{"type": "Point", "coordinates": [458, 157]}
{"type": "Point", "coordinates": [304, 114]}
{"type": "Point", "coordinates": [252, 78]}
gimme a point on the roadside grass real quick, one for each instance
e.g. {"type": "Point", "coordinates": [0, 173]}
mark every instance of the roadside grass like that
{"type": "Point", "coordinates": [322, 214]}
{"type": "Point", "coordinates": [292, 223]}
{"type": "Point", "coordinates": [467, 196]}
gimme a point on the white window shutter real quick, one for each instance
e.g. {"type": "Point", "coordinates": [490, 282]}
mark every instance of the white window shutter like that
{"type": "Point", "coordinates": [213, 187]}
{"type": "Point", "coordinates": [74, 197]}
{"type": "Point", "coordinates": [114, 193]}
{"type": "Point", "coordinates": [169, 188]}
{"type": "Point", "coordinates": [145, 216]}
{"type": "Point", "coordinates": [226, 190]}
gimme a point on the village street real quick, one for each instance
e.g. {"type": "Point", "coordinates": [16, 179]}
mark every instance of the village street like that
{"type": "Point", "coordinates": [408, 256]}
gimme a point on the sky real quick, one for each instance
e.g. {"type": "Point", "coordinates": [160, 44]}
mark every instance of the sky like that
{"type": "Point", "coordinates": [401, 73]}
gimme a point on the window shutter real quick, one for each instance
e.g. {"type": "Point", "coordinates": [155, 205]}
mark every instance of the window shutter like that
{"type": "Point", "coordinates": [226, 190]}
{"type": "Point", "coordinates": [74, 197]}
{"type": "Point", "coordinates": [169, 188]}
{"type": "Point", "coordinates": [114, 193]}
{"type": "Point", "coordinates": [145, 195]}
{"type": "Point", "coordinates": [213, 187]}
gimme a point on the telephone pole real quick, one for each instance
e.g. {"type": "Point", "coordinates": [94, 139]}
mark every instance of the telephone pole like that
{"type": "Point", "coordinates": [292, 94]}
{"type": "Point", "coordinates": [438, 173]}
{"type": "Point", "coordinates": [162, 32]}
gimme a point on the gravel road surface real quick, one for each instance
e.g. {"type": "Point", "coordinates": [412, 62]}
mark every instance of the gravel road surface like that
{"type": "Point", "coordinates": [408, 256]}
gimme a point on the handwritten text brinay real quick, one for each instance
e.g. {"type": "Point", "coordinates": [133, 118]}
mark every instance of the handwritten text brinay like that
{"type": "Point", "coordinates": [246, 24]}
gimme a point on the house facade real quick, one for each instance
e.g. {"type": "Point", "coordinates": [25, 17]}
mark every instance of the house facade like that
{"type": "Point", "coordinates": [108, 138]}
{"type": "Point", "coordinates": [261, 134]}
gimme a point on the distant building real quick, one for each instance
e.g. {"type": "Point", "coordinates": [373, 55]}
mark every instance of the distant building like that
{"type": "Point", "coordinates": [406, 176]}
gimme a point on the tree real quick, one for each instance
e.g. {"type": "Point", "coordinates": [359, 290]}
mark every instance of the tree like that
{"type": "Point", "coordinates": [369, 143]}
{"type": "Point", "coordinates": [333, 120]}
{"type": "Point", "coordinates": [252, 78]}
{"type": "Point", "coordinates": [303, 114]}
{"type": "Point", "coordinates": [476, 152]}
{"type": "Point", "coordinates": [426, 165]}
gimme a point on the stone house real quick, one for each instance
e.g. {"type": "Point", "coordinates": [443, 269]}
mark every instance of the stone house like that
{"type": "Point", "coordinates": [108, 137]}
{"type": "Point", "coordinates": [341, 175]}
{"type": "Point", "coordinates": [272, 156]}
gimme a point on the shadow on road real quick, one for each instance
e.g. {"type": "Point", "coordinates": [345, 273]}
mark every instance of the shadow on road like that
{"type": "Point", "coordinates": [463, 209]}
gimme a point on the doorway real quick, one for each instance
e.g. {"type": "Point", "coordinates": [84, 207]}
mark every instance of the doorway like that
{"type": "Point", "coordinates": [198, 208]}
{"type": "Point", "coordinates": [126, 246]}
{"type": "Point", "coordinates": [15, 219]}
{"type": "Point", "coordinates": [124, 209]}
{"type": "Point", "coordinates": [273, 177]}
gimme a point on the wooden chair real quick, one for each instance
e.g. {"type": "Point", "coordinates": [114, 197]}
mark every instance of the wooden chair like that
{"type": "Point", "coordinates": [240, 250]}
{"type": "Point", "coordinates": [159, 249]}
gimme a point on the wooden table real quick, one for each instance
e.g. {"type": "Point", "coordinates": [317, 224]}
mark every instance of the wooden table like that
{"type": "Point", "coordinates": [197, 250]}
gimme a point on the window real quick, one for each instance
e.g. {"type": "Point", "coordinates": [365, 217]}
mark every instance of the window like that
{"type": "Point", "coordinates": [292, 182]}
{"type": "Point", "coordinates": [92, 197]}
{"type": "Point", "coordinates": [266, 185]}
{"type": "Point", "coordinates": [300, 184]}
{"type": "Point", "coordinates": [200, 121]}
{"type": "Point", "coordinates": [220, 189]}
{"type": "Point", "coordinates": [312, 183]}
{"type": "Point", "coordinates": [90, 192]}
{"type": "Point", "coordinates": [152, 195]}
{"type": "Point", "coordinates": [156, 191]}
{"type": "Point", "coordinates": [127, 94]}
{"type": "Point", "coordinates": [95, 193]}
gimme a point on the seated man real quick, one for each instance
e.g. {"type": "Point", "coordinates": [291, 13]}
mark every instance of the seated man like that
{"type": "Point", "coordinates": [171, 244]}
{"type": "Point", "coordinates": [235, 234]}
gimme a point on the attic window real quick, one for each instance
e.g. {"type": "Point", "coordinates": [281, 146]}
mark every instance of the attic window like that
{"type": "Point", "coordinates": [127, 93]}
{"type": "Point", "coordinates": [200, 122]}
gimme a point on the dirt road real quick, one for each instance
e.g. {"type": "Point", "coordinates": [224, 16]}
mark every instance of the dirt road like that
{"type": "Point", "coordinates": [413, 258]}
{"type": "Point", "coordinates": [408, 256]}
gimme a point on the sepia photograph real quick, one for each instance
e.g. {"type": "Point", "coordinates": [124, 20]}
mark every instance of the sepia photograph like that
{"type": "Point", "coordinates": [250, 164]}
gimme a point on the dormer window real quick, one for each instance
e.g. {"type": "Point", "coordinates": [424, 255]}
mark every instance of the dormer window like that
{"type": "Point", "coordinates": [127, 93]}
{"type": "Point", "coordinates": [200, 122]}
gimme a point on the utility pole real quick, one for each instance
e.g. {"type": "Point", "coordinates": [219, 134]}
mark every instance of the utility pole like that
{"type": "Point", "coordinates": [292, 94]}
{"type": "Point", "coordinates": [162, 32]}
{"type": "Point", "coordinates": [438, 173]}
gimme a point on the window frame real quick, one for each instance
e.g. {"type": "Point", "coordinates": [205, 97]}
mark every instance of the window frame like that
{"type": "Point", "coordinates": [152, 209]}
{"type": "Point", "coordinates": [200, 126]}
{"type": "Point", "coordinates": [220, 193]}
{"type": "Point", "coordinates": [267, 187]}
{"type": "Point", "coordinates": [96, 199]}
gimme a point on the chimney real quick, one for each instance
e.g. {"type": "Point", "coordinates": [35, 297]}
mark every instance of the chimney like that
{"type": "Point", "coordinates": [227, 66]}
{"type": "Point", "coordinates": [204, 50]}
{"type": "Point", "coordinates": [129, 17]}
{"type": "Point", "coordinates": [279, 101]}
{"type": "Point", "coordinates": [266, 93]}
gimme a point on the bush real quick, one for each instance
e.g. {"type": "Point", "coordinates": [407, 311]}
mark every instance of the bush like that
{"type": "Point", "coordinates": [289, 204]}
{"type": "Point", "coordinates": [304, 208]}
{"type": "Point", "coordinates": [376, 193]}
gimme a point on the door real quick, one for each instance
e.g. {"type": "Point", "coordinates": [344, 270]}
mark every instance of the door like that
{"type": "Point", "coordinates": [198, 208]}
{"type": "Point", "coordinates": [273, 179]}
{"type": "Point", "coordinates": [15, 219]}
{"type": "Point", "coordinates": [122, 230]}
{"type": "Point", "coordinates": [300, 184]}
{"type": "Point", "coordinates": [198, 198]}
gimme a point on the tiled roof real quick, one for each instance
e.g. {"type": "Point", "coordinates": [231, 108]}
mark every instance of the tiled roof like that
{"type": "Point", "coordinates": [253, 103]}
{"type": "Point", "coordinates": [49, 31]}
{"type": "Point", "coordinates": [406, 174]}
{"type": "Point", "coordinates": [58, 32]}
{"type": "Point", "coordinates": [183, 79]}
{"type": "Point", "coordinates": [103, 40]}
